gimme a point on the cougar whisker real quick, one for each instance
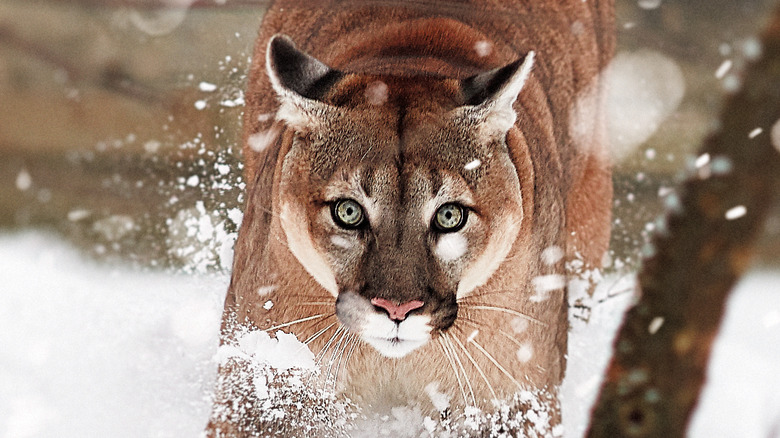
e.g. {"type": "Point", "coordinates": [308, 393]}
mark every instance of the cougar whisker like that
{"type": "Point", "coordinates": [337, 352]}
{"type": "Point", "coordinates": [351, 342]}
{"type": "Point", "coordinates": [472, 296]}
{"type": "Point", "coordinates": [454, 354]}
{"type": "Point", "coordinates": [298, 321]}
{"type": "Point", "coordinates": [266, 210]}
{"type": "Point", "coordinates": [508, 311]}
{"type": "Point", "coordinates": [326, 347]}
{"type": "Point", "coordinates": [440, 342]}
{"type": "Point", "coordinates": [318, 334]}
{"type": "Point", "coordinates": [478, 326]}
{"type": "Point", "coordinates": [495, 362]}
{"type": "Point", "coordinates": [476, 365]}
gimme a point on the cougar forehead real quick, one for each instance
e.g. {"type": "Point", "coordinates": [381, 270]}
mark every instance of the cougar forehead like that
{"type": "Point", "coordinates": [415, 127]}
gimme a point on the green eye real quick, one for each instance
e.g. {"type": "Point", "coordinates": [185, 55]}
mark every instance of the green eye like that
{"type": "Point", "coordinates": [449, 218]}
{"type": "Point", "coordinates": [347, 213]}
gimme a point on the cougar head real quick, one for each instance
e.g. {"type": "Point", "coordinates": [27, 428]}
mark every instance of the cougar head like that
{"type": "Point", "coordinates": [397, 194]}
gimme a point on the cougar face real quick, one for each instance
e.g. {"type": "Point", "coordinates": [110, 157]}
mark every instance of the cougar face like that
{"type": "Point", "coordinates": [398, 195]}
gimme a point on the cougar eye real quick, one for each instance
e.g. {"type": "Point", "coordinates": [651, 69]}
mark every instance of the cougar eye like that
{"type": "Point", "coordinates": [347, 213]}
{"type": "Point", "coordinates": [449, 218]}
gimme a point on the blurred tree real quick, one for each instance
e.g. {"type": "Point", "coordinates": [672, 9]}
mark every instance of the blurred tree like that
{"type": "Point", "coordinates": [662, 350]}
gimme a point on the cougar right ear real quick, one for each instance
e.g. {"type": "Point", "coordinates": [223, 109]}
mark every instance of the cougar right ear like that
{"type": "Point", "coordinates": [489, 96]}
{"type": "Point", "coordinates": [300, 80]}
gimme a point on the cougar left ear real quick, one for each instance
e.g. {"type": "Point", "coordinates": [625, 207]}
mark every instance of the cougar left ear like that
{"type": "Point", "coordinates": [489, 96]}
{"type": "Point", "coordinates": [300, 80]}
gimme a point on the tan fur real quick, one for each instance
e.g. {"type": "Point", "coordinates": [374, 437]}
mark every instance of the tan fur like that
{"type": "Point", "coordinates": [394, 131]}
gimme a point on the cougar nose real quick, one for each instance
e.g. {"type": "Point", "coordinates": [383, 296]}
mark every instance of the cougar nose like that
{"type": "Point", "coordinates": [397, 312]}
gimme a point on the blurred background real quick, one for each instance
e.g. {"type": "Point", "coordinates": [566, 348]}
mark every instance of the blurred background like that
{"type": "Point", "coordinates": [120, 119]}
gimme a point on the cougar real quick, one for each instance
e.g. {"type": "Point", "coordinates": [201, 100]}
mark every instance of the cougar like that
{"type": "Point", "coordinates": [419, 174]}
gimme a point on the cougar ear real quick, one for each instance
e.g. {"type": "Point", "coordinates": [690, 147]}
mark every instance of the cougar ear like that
{"type": "Point", "coordinates": [299, 80]}
{"type": "Point", "coordinates": [489, 96]}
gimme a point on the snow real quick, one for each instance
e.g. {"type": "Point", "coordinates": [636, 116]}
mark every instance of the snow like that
{"type": "Point", "coordinates": [721, 166]}
{"type": "Point", "coordinates": [113, 228]}
{"type": "Point", "coordinates": [751, 48]}
{"type": "Point", "coordinates": [402, 421]}
{"type": "Point", "coordinates": [98, 350]}
{"type": "Point", "coordinates": [95, 350]}
{"type": "Point", "coordinates": [236, 216]}
{"type": "Point", "coordinates": [440, 400]}
{"type": "Point", "coordinates": [755, 133]}
{"type": "Point", "coordinates": [655, 325]}
{"type": "Point", "coordinates": [736, 212]}
{"type": "Point", "coordinates": [78, 214]}
{"type": "Point", "coordinates": [483, 48]}
{"type": "Point", "coordinates": [223, 169]}
{"type": "Point", "coordinates": [265, 290]}
{"type": "Point", "coordinates": [261, 140]}
{"type": "Point", "coordinates": [160, 22]}
{"type": "Point", "coordinates": [552, 255]}
{"type": "Point", "coordinates": [525, 352]}
{"type": "Point", "coordinates": [340, 241]}
{"type": "Point", "coordinates": [283, 352]}
{"type": "Point", "coordinates": [377, 93]}
{"type": "Point", "coordinates": [649, 4]}
{"type": "Point", "coordinates": [743, 398]}
{"type": "Point", "coordinates": [702, 160]}
{"type": "Point", "coordinates": [644, 89]}
{"type": "Point", "coordinates": [732, 83]}
{"type": "Point", "coordinates": [207, 87]}
{"type": "Point", "coordinates": [200, 239]}
{"type": "Point", "coordinates": [594, 321]}
{"type": "Point", "coordinates": [724, 68]}
{"type": "Point", "coordinates": [23, 180]}
{"type": "Point", "coordinates": [544, 284]}
{"type": "Point", "coordinates": [473, 164]}
{"type": "Point", "coordinates": [774, 135]}
{"type": "Point", "coordinates": [232, 103]}
{"type": "Point", "coordinates": [519, 325]}
{"type": "Point", "coordinates": [152, 146]}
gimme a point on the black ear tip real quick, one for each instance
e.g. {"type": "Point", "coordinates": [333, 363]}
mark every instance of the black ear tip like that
{"type": "Point", "coordinates": [296, 70]}
{"type": "Point", "coordinates": [280, 44]}
{"type": "Point", "coordinates": [281, 40]}
{"type": "Point", "coordinates": [483, 86]}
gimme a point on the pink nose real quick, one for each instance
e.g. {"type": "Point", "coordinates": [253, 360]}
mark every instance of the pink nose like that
{"type": "Point", "coordinates": [397, 312]}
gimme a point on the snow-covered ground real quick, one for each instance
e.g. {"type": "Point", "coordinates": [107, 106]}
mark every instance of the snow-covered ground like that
{"type": "Point", "coordinates": [89, 350]}
{"type": "Point", "coordinates": [96, 351]}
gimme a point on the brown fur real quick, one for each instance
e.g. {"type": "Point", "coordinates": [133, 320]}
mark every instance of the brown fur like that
{"type": "Point", "coordinates": [554, 184]}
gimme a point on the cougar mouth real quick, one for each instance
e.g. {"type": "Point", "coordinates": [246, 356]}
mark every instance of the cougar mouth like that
{"type": "Point", "coordinates": [394, 347]}
{"type": "Point", "coordinates": [390, 337]}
